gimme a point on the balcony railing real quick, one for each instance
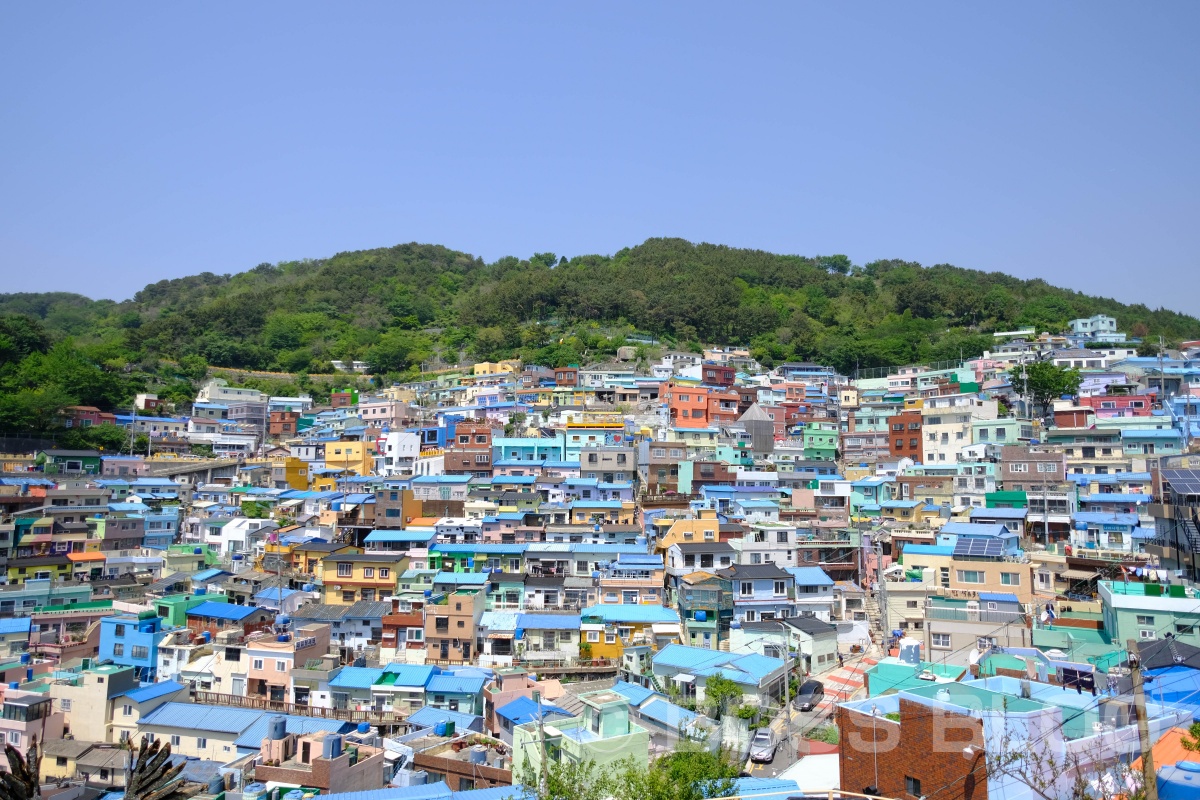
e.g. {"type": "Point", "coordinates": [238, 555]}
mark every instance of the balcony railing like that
{"type": "Point", "coordinates": [346, 714]}
{"type": "Point", "coordinates": [975, 615]}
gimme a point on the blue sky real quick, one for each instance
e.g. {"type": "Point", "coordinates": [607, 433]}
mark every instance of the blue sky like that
{"type": "Point", "coordinates": [148, 141]}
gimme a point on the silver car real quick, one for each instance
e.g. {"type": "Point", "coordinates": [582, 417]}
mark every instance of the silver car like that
{"type": "Point", "coordinates": [762, 746]}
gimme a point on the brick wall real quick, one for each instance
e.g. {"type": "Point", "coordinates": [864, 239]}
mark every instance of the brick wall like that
{"type": "Point", "coordinates": [927, 744]}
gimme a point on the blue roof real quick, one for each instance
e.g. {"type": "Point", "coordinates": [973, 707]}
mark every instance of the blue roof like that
{"type": "Point", "coordinates": [410, 674]}
{"type": "Point", "coordinates": [625, 612]}
{"type": "Point", "coordinates": [356, 677]}
{"type": "Point", "coordinates": [428, 716]}
{"type": "Point", "coordinates": [472, 549]}
{"type": "Point", "coordinates": [1115, 497]}
{"type": "Point", "coordinates": [194, 716]}
{"type": "Point", "coordinates": [208, 574]}
{"type": "Point", "coordinates": [548, 622]}
{"type": "Point", "coordinates": [461, 578]}
{"type": "Point", "coordinates": [636, 694]}
{"type": "Point", "coordinates": [928, 550]}
{"type": "Point", "coordinates": [153, 690]}
{"type": "Point", "coordinates": [14, 625]}
{"type": "Point", "coordinates": [810, 576]}
{"type": "Point", "coordinates": [273, 595]}
{"type": "Point", "coordinates": [524, 710]}
{"type": "Point", "coordinates": [252, 737]}
{"type": "Point", "coordinates": [411, 535]}
{"type": "Point", "coordinates": [900, 503]}
{"type": "Point", "coordinates": [992, 529]}
{"type": "Point", "coordinates": [1106, 518]}
{"type": "Point", "coordinates": [998, 597]}
{"type": "Point", "coordinates": [227, 611]}
{"type": "Point", "coordinates": [999, 513]}
{"type": "Point", "coordinates": [455, 684]}
{"type": "Point", "coordinates": [665, 712]}
{"type": "Point", "coordinates": [745, 669]}
{"type": "Point", "coordinates": [597, 503]}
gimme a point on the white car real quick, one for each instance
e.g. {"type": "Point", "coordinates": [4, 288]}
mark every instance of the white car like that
{"type": "Point", "coordinates": [762, 746]}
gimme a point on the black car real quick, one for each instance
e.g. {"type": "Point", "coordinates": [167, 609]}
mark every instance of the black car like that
{"type": "Point", "coordinates": [809, 695]}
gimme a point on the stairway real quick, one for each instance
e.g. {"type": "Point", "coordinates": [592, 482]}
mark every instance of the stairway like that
{"type": "Point", "coordinates": [874, 616]}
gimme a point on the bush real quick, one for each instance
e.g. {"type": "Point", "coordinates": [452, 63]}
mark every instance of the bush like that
{"type": "Point", "coordinates": [826, 733]}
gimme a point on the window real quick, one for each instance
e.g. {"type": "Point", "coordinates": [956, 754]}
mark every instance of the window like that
{"type": "Point", "coordinates": [119, 650]}
{"type": "Point", "coordinates": [174, 740]}
{"type": "Point", "coordinates": [368, 572]}
{"type": "Point", "coordinates": [120, 630]}
{"type": "Point", "coordinates": [911, 604]}
{"type": "Point", "coordinates": [969, 576]}
{"type": "Point", "coordinates": [593, 636]}
{"type": "Point", "coordinates": [1184, 629]}
{"type": "Point", "coordinates": [941, 640]}
{"type": "Point", "coordinates": [610, 638]}
{"type": "Point", "coordinates": [140, 651]}
{"type": "Point", "coordinates": [1018, 468]}
{"type": "Point", "coordinates": [912, 786]}
{"type": "Point", "coordinates": [1146, 634]}
{"type": "Point", "coordinates": [1010, 578]}
{"type": "Point", "coordinates": [780, 588]}
{"type": "Point", "coordinates": [345, 570]}
{"type": "Point", "coordinates": [201, 743]}
{"type": "Point", "coordinates": [280, 666]}
{"type": "Point", "coordinates": [781, 537]}
{"type": "Point", "coordinates": [1145, 620]}
{"type": "Point", "coordinates": [256, 663]}
{"type": "Point", "coordinates": [65, 704]}
{"type": "Point", "coordinates": [60, 761]}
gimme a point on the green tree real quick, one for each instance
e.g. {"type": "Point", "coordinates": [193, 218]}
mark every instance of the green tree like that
{"type": "Point", "coordinates": [689, 773]}
{"type": "Point", "coordinates": [1191, 740]}
{"type": "Point", "coordinates": [720, 692]}
{"type": "Point", "coordinates": [567, 780]}
{"type": "Point", "coordinates": [398, 351]}
{"type": "Point", "coordinates": [1046, 381]}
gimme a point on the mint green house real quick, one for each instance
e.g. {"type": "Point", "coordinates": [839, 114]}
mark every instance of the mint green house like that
{"type": "Point", "coordinates": [173, 608]}
{"type": "Point", "coordinates": [603, 734]}
{"type": "Point", "coordinates": [820, 441]}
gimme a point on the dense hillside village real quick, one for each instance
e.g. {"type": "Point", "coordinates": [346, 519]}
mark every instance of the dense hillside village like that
{"type": "Point", "coordinates": [486, 567]}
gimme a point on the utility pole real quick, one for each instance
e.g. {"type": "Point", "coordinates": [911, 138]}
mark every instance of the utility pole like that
{"type": "Point", "coordinates": [787, 679]}
{"type": "Point", "coordinates": [545, 787]}
{"type": "Point", "coordinates": [1149, 774]}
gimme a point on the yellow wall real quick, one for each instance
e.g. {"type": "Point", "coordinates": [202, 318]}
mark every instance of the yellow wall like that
{"type": "Point", "coordinates": [691, 530]}
{"type": "Point", "coordinates": [358, 580]}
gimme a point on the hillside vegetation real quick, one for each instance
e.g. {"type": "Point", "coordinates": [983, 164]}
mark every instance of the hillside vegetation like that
{"type": "Point", "coordinates": [400, 306]}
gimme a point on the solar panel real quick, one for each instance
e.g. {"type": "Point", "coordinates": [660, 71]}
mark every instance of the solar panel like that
{"type": "Point", "coordinates": [978, 546]}
{"type": "Point", "coordinates": [1183, 481]}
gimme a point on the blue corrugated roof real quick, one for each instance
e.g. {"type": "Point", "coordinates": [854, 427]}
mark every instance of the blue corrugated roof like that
{"type": "Point", "coordinates": [410, 674]}
{"type": "Point", "coordinates": [548, 622]}
{"type": "Point", "coordinates": [999, 513]}
{"type": "Point", "coordinates": [665, 712]}
{"type": "Point", "coordinates": [622, 612]}
{"type": "Point", "coordinates": [356, 677]}
{"type": "Point", "coordinates": [153, 690]}
{"type": "Point", "coordinates": [273, 595]}
{"type": "Point", "coordinates": [524, 710]}
{"type": "Point", "coordinates": [1106, 518]}
{"type": "Point", "coordinates": [14, 625]}
{"type": "Point", "coordinates": [928, 550]}
{"type": "Point", "coordinates": [208, 574]}
{"type": "Point", "coordinates": [455, 684]}
{"type": "Point", "coordinates": [412, 535]}
{"type": "Point", "coordinates": [634, 693]}
{"type": "Point", "coordinates": [428, 716]}
{"type": "Point", "coordinates": [252, 737]}
{"type": "Point", "coordinates": [193, 716]}
{"type": "Point", "coordinates": [461, 578]}
{"type": "Point", "coordinates": [998, 597]}
{"type": "Point", "coordinates": [810, 576]}
{"type": "Point", "coordinates": [227, 611]}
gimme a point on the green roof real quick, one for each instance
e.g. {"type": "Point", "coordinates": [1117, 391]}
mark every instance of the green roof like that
{"type": "Point", "coordinates": [977, 698]}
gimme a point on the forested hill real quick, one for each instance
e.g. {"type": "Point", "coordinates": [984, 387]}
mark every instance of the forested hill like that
{"type": "Point", "coordinates": [398, 306]}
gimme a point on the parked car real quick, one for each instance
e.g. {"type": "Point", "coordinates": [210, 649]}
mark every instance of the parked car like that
{"type": "Point", "coordinates": [809, 695]}
{"type": "Point", "coordinates": [762, 746]}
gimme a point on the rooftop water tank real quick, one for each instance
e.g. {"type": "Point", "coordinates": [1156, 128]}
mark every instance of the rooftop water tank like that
{"type": "Point", "coordinates": [198, 552]}
{"type": "Point", "coordinates": [24, 658]}
{"type": "Point", "coordinates": [283, 637]}
{"type": "Point", "coordinates": [282, 620]}
{"type": "Point", "coordinates": [277, 727]}
{"type": "Point", "coordinates": [200, 590]}
{"type": "Point", "coordinates": [364, 727]}
{"type": "Point", "coordinates": [331, 746]}
{"type": "Point", "coordinates": [308, 587]}
{"type": "Point", "coordinates": [477, 754]}
{"type": "Point", "coordinates": [216, 784]}
{"type": "Point", "coordinates": [14, 685]}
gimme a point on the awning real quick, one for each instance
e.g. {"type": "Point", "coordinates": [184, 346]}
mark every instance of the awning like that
{"type": "Point", "coordinates": [1079, 574]}
{"type": "Point", "coordinates": [90, 556]}
{"type": "Point", "coordinates": [684, 677]}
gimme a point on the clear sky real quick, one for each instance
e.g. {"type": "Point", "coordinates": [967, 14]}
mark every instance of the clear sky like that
{"type": "Point", "coordinates": [141, 141]}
